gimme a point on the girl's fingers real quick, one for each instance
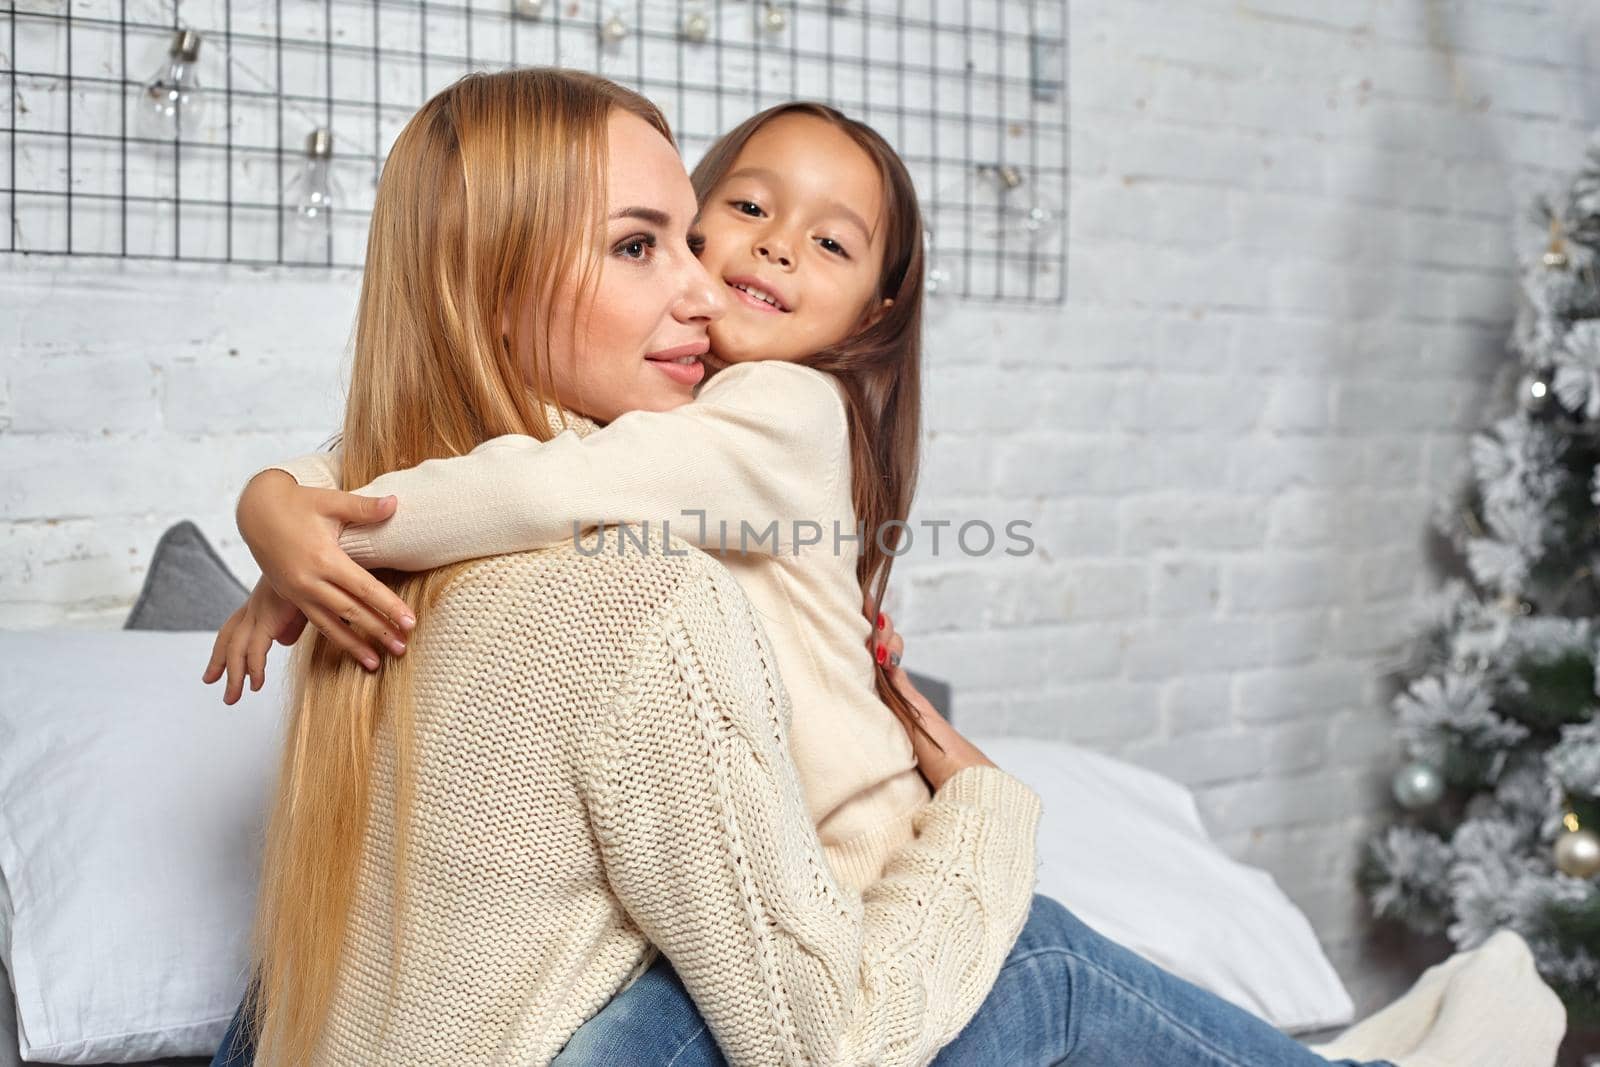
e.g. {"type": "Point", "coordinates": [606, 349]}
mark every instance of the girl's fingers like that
{"type": "Point", "coordinates": [368, 624]}
{"type": "Point", "coordinates": [255, 655]}
{"type": "Point", "coordinates": [377, 597]}
{"type": "Point", "coordinates": [355, 508]}
{"type": "Point", "coordinates": [343, 638]}
{"type": "Point", "coordinates": [236, 643]}
{"type": "Point", "coordinates": [219, 652]}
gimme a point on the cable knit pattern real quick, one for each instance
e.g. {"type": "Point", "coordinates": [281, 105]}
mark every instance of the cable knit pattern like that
{"type": "Point", "coordinates": [603, 770]}
{"type": "Point", "coordinates": [763, 442]}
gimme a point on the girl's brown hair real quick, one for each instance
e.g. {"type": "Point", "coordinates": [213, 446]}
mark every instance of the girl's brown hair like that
{"type": "Point", "coordinates": [493, 194]}
{"type": "Point", "coordinates": [880, 365]}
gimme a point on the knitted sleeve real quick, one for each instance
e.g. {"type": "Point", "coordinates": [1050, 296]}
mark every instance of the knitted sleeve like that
{"type": "Point", "coordinates": [762, 444]}
{"type": "Point", "coordinates": [318, 470]}
{"type": "Point", "coordinates": [707, 845]}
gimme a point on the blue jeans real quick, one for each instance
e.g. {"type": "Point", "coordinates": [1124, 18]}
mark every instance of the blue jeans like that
{"type": "Point", "coordinates": [1065, 995]}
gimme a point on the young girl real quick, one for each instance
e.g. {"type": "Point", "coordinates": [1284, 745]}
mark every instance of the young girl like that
{"type": "Point", "coordinates": [810, 421]}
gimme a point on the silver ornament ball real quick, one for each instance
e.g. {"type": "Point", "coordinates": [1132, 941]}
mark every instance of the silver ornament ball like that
{"type": "Point", "coordinates": [1418, 785]}
{"type": "Point", "coordinates": [1578, 853]}
{"type": "Point", "coordinates": [1537, 392]}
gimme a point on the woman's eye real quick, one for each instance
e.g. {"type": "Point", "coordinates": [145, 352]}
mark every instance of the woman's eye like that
{"type": "Point", "coordinates": [635, 247]}
{"type": "Point", "coordinates": [697, 244]}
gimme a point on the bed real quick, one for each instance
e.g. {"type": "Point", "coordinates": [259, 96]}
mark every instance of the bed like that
{"type": "Point", "coordinates": [132, 804]}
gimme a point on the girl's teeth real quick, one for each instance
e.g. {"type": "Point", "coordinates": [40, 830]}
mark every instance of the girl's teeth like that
{"type": "Point", "coordinates": [758, 295]}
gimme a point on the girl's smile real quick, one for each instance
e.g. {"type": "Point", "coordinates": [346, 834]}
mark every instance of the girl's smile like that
{"type": "Point", "coordinates": [763, 296]}
{"type": "Point", "coordinates": [795, 233]}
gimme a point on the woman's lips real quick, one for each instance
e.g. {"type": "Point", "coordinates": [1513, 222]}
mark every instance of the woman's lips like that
{"type": "Point", "coordinates": [683, 373]}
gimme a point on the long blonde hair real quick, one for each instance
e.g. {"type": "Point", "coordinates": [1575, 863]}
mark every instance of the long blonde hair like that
{"type": "Point", "coordinates": [481, 206]}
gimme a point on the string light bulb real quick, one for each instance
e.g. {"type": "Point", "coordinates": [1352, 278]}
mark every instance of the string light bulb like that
{"type": "Point", "coordinates": [696, 26]}
{"type": "Point", "coordinates": [1024, 211]}
{"type": "Point", "coordinates": [613, 31]}
{"type": "Point", "coordinates": [171, 100]}
{"type": "Point", "coordinates": [315, 193]}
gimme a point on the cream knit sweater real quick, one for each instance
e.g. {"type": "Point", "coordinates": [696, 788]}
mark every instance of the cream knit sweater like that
{"type": "Point", "coordinates": [601, 766]}
{"type": "Point", "coordinates": [762, 442]}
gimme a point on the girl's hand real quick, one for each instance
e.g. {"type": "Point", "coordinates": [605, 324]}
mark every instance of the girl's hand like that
{"type": "Point", "coordinates": [242, 643]}
{"type": "Point", "coordinates": [952, 752]}
{"type": "Point", "coordinates": [293, 532]}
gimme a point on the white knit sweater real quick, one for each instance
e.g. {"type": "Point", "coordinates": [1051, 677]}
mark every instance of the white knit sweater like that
{"type": "Point", "coordinates": [602, 765]}
{"type": "Point", "coordinates": [763, 442]}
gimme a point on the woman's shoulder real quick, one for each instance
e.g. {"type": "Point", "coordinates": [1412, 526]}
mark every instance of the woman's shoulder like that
{"type": "Point", "coordinates": [619, 572]}
{"type": "Point", "coordinates": [778, 387]}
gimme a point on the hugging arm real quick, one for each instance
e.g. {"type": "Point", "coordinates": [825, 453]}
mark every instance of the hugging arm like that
{"type": "Point", "coordinates": [704, 833]}
{"type": "Point", "coordinates": [762, 443]}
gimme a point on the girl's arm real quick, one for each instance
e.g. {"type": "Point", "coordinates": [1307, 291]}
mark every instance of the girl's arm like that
{"type": "Point", "coordinates": [706, 841]}
{"type": "Point", "coordinates": [763, 442]}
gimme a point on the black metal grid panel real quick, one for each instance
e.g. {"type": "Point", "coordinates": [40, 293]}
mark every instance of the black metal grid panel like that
{"type": "Point", "coordinates": [973, 93]}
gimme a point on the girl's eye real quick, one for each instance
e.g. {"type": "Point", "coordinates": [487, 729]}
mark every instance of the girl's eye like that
{"type": "Point", "coordinates": [637, 247]}
{"type": "Point", "coordinates": [833, 246]}
{"type": "Point", "coordinates": [746, 207]}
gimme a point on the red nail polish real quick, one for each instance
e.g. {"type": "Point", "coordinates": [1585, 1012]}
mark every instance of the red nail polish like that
{"type": "Point", "coordinates": [883, 653]}
{"type": "Point", "coordinates": [880, 620]}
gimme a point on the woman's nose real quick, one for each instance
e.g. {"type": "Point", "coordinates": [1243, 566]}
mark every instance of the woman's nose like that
{"type": "Point", "coordinates": [702, 296]}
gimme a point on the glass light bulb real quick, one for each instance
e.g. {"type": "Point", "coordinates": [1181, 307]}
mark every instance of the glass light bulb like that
{"type": "Point", "coordinates": [314, 191]}
{"type": "Point", "coordinates": [696, 27]}
{"type": "Point", "coordinates": [613, 31]}
{"type": "Point", "coordinates": [1022, 212]}
{"type": "Point", "coordinates": [171, 101]}
{"type": "Point", "coordinates": [937, 280]}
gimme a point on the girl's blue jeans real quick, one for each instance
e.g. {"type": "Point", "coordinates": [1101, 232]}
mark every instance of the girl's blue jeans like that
{"type": "Point", "coordinates": [1065, 995]}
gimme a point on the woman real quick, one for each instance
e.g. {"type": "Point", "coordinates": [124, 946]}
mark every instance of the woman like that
{"type": "Point", "coordinates": [582, 759]}
{"type": "Point", "coordinates": [474, 852]}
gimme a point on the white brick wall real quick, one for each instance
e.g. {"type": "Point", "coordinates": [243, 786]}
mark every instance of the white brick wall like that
{"type": "Point", "coordinates": [1290, 281]}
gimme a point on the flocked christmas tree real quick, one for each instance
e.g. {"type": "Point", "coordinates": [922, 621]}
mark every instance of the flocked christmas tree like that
{"type": "Point", "coordinates": [1499, 704]}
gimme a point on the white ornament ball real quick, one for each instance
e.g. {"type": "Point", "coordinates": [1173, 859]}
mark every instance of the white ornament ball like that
{"type": "Point", "coordinates": [613, 30]}
{"type": "Point", "coordinates": [1417, 786]}
{"type": "Point", "coordinates": [528, 9]}
{"type": "Point", "coordinates": [1578, 853]}
{"type": "Point", "coordinates": [775, 20]}
{"type": "Point", "coordinates": [696, 27]}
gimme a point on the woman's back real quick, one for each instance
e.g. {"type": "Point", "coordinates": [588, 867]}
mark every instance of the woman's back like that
{"type": "Point", "coordinates": [510, 941]}
{"type": "Point", "coordinates": [601, 765]}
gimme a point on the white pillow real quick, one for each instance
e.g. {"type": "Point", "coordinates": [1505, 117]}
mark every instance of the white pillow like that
{"type": "Point", "coordinates": [1124, 849]}
{"type": "Point", "coordinates": [132, 806]}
